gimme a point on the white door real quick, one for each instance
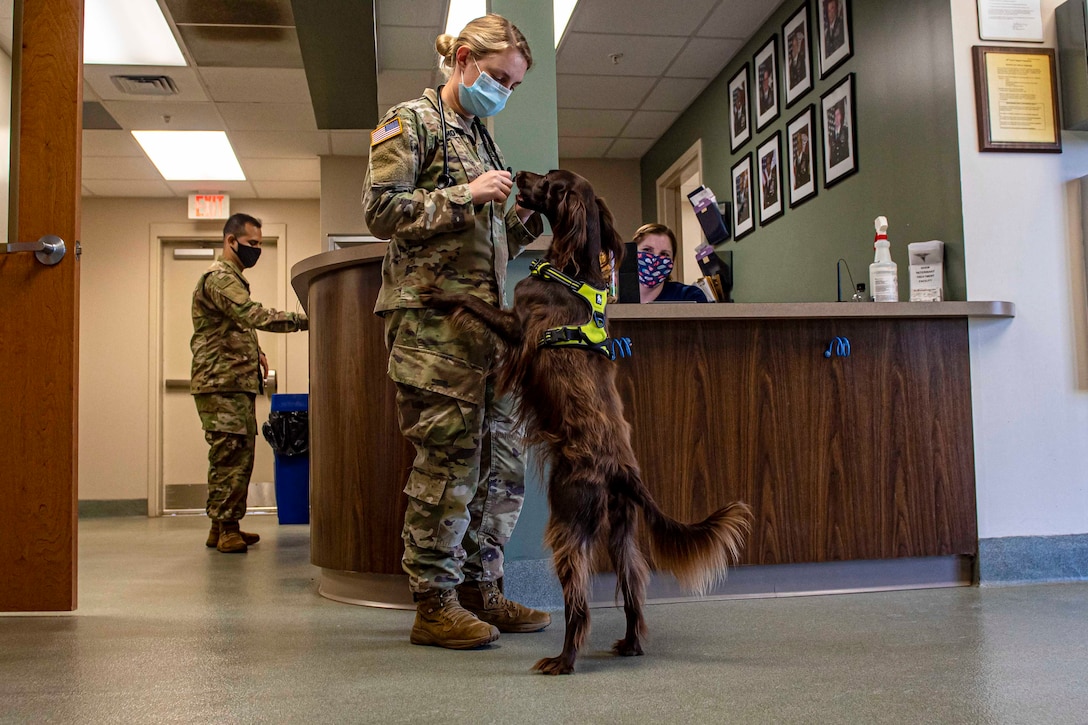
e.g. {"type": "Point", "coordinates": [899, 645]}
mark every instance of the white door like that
{"type": "Point", "coordinates": [184, 453]}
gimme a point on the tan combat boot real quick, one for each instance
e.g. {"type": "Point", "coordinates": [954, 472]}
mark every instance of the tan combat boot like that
{"type": "Point", "coordinates": [486, 601]}
{"type": "Point", "coordinates": [442, 622]}
{"type": "Point", "coordinates": [230, 538]}
{"type": "Point", "coordinates": [213, 537]}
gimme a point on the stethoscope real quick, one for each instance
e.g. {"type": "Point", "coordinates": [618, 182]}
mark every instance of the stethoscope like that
{"type": "Point", "coordinates": [446, 179]}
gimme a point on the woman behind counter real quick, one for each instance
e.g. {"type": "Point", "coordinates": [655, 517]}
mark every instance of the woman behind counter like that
{"type": "Point", "coordinates": [656, 248]}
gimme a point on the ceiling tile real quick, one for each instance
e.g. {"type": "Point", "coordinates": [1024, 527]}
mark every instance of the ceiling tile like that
{"type": "Point", "coordinates": [592, 123]}
{"type": "Point", "coordinates": [282, 169]}
{"type": "Point", "coordinates": [582, 148]}
{"type": "Point", "coordinates": [165, 115]}
{"type": "Point", "coordinates": [588, 54]}
{"type": "Point", "coordinates": [288, 189]}
{"type": "Point", "coordinates": [97, 117]}
{"type": "Point", "coordinates": [120, 168]}
{"type": "Point", "coordinates": [649, 124]}
{"type": "Point", "coordinates": [392, 84]}
{"type": "Point", "coordinates": [737, 18]}
{"type": "Point", "coordinates": [241, 189]}
{"type": "Point", "coordinates": [99, 78]}
{"type": "Point", "coordinates": [629, 148]}
{"type": "Point", "coordinates": [601, 91]}
{"type": "Point", "coordinates": [673, 94]}
{"type": "Point", "coordinates": [242, 47]}
{"type": "Point", "coordinates": [407, 49]}
{"type": "Point", "coordinates": [273, 144]}
{"type": "Point", "coordinates": [640, 17]}
{"type": "Point", "coordinates": [250, 12]}
{"type": "Point", "coordinates": [128, 188]}
{"type": "Point", "coordinates": [350, 143]}
{"type": "Point", "coordinates": [256, 85]}
{"type": "Point", "coordinates": [703, 58]}
{"type": "Point", "coordinates": [110, 143]}
{"type": "Point", "coordinates": [268, 116]}
{"type": "Point", "coordinates": [89, 93]}
{"type": "Point", "coordinates": [418, 13]}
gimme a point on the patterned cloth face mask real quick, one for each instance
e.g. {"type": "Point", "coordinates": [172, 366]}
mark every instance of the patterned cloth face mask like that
{"type": "Point", "coordinates": [485, 97]}
{"type": "Point", "coordinates": [653, 269]}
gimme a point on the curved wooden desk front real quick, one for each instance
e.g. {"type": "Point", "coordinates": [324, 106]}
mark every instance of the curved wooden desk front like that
{"type": "Point", "coordinates": [359, 460]}
{"type": "Point", "coordinates": [866, 457]}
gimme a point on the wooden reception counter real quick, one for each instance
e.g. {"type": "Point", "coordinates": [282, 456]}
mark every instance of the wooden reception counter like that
{"type": "Point", "coordinates": [846, 426]}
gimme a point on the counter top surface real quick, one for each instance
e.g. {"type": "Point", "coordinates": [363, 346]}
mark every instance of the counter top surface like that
{"type": "Point", "coordinates": [303, 273]}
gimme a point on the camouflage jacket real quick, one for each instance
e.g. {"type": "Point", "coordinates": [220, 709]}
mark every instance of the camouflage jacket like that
{"type": "Point", "coordinates": [225, 321]}
{"type": "Point", "coordinates": [437, 236]}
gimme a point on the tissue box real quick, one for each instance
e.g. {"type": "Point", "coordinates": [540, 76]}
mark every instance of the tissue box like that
{"type": "Point", "coordinates": [926, 271]}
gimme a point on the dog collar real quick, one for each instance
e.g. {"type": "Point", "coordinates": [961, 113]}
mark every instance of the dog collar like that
{"type": "Point", "coordinates": [591, 335]}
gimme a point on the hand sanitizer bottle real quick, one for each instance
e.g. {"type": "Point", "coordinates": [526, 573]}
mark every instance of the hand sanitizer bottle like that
{"type": "Point", "coordinates": [883, 274]}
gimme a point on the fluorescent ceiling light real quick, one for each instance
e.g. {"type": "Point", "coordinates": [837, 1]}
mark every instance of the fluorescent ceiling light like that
{"type": "Point", "coordinates": [191, 155]}
{"type": "Point", "coordinates": [461, 12]}
{"type": "Point", "coordinates": [128, 32]}
{"type": "Point", "coordinates": [562, 10]}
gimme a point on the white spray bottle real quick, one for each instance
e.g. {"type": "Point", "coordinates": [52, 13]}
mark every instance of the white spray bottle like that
{"type": "Point", "coordinates": [883, 274]}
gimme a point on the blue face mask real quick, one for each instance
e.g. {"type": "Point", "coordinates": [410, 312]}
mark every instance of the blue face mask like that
{"type": "Point", "coordinates": [485, 97]}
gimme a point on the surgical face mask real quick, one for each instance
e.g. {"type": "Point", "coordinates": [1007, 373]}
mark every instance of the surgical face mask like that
{"type": "Point", "coordinates": [247, 255]}
{"type": "Point", "coordinates": [485, 97]}
{"type": "Point", "coordinates": [653, 269]}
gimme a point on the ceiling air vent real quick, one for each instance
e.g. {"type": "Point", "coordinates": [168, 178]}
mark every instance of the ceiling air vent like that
{"type": "Point", "coordinates": [146, 85]}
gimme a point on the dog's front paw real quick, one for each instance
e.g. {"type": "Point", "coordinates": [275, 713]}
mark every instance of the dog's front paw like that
{"type": "Point", "coordinates": [554, 666]}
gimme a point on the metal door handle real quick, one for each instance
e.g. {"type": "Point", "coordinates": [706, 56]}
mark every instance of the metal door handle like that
{"type": "Point", "coordinates": [270, 383]}
{"type": "Point", "coordinates": [49, 249]}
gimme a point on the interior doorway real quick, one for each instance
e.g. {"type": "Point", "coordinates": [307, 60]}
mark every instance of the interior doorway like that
{"type": "Point", "coordinates": [675, 211]}
{"type": "Point", "coordinates": [182, 451]}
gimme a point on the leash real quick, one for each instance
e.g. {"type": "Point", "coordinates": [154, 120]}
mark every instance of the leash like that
{"type": "Point", "coordinates": [590, 335]}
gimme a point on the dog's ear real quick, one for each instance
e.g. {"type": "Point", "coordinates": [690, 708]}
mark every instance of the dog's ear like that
{"type": "Point", "coordinates": [570, 231]}
{"type": "Point", "coordinates": [611, 242]}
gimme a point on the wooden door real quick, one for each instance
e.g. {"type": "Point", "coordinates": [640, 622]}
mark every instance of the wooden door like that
{"type": "Point", "coordinates": [39, 314]}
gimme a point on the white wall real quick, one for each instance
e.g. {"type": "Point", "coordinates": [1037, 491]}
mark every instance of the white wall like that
{"type": "Point", "coordinates": [1023, 243]}
{"type": "Point", "coordinates": [5, 148]}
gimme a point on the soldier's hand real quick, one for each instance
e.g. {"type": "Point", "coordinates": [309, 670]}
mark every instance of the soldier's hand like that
{"type": "Point", "coordinates": [262, 361]}
{"type": "Point", "coordinates": [491, 186]}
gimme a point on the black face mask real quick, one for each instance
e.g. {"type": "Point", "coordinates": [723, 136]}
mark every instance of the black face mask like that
{"type": "Point", "coordinates": [247, 255]}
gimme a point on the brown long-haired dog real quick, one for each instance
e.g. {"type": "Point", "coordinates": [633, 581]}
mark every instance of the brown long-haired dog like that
{"type": "Point", "coordinates": [570, 406]}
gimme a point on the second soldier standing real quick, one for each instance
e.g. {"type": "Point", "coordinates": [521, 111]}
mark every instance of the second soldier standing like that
{"type": "Point", "coordinates": [436, 187]}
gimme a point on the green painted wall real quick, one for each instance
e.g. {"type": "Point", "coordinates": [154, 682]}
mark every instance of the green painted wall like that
{"type": "Point", "coordinates": [907, 150]}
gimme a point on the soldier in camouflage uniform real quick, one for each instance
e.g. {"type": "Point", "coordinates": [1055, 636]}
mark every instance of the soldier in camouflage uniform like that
{"type": "Point", "coordinates": [466, 486]}
{"type": "Point", "coordinates": [228, 369]}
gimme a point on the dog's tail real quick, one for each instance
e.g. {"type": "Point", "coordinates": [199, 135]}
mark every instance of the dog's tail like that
{"type": "Point", "coordinates": [698, 555]}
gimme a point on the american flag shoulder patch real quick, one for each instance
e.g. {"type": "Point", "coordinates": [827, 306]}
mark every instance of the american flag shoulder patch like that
{"type": "Point", "coordinates": [386, 132]}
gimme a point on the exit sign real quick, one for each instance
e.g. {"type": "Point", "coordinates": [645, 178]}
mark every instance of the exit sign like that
{"type": "Point", "coordinates": [209, 206]}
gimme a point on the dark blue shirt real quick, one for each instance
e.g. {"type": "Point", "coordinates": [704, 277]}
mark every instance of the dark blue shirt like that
{"type": "Point", "coordinates": [676, 292]}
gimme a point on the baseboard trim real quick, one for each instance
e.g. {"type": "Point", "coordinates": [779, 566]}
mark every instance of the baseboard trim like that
{"type": "Point", "coordinates": [1033, 559]}
{"type": "Point", "coordinates": [108, 508]}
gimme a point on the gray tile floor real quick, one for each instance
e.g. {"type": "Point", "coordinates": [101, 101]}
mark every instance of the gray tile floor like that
{"type": "Point", "coordinates": [168, 631]}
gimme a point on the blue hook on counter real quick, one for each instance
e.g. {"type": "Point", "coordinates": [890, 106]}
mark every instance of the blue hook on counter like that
{"type": "Point", "coordinates": [839, 346]}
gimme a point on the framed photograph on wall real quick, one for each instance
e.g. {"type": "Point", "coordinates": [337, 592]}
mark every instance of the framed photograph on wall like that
{"type": "Point", "coordinates": [1016, 99]}
{"type": "Point", "coordinates": [743, 216]}
{"type": "Point", "coordinates": [836, 40]}
{"type": "Point", "coordinates": [797, 56]}
{"type": "Point", "coordinates": [801, 147]}
{"type": "Point", "coordinates": [766, 80]}
{"type": "Point", "coordinates": [840, 137]}
{"type": "Point", "coordinates": [740, 129]}
{"type": "Point", "coordinates": [769, 172]}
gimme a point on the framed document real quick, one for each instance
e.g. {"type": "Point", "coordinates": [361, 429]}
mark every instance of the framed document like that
{"type": "Point", "coordinates": [1020, 20]}
{"type": "Point", "coordinates": [743, 217]}
{"type": "Point", "coordinates": [1016, 99]}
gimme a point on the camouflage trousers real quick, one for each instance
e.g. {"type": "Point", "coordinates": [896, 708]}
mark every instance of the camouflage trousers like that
{"type": "Point", "coordinates": [467, 482]}
{"type": "Point", "coordinates": [465, 491]}
{"type": "Point", "coordinates": [230, 428]}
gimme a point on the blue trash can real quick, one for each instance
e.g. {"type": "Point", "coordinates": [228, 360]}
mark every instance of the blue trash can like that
{"type": "Point", "coordinates": [292, 466]}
